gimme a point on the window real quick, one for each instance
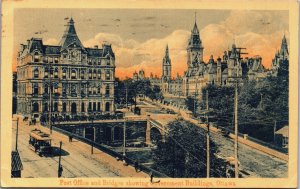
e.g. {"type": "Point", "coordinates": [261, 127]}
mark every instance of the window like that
{"type": "Point", "coordinates": [56, 59]}
{"type": "Point", "coordinates": [45, 107]}
{"type": "Point", "coordinates": [99, 61]}
{"type": "Point", "coordinates": [108, 62]}
{"type": "Point", "coordinates": [99, 107]}
{"type": "Point", "coordinates": [94, 106]}
{"type": "Point", "coordinates": [36, 57]}
{"type": "Point", "coordinates": [50, 59]}
{"type": "Point", "coordinates": [45, 59]}
{"type": "Point", "coordinates": [46, 73]}
{"type": "Point", "coordinates": [82, 107]}
{"type": "Point", "coordinates": [56, 73]}
{"type": "Point", "coordinates": [35, 107]}
{"type": "Point", "coordinates": [55, 107]}
{"type": "Point", "coordinates": [107, 75]}
{"type": "Point", "coordinates": [94, 90]}
{"type": "Point", "coordinates": [64, 107]}
{"type": "Point", "coordinates": [95, 74]}
{"type": "Point", "coordinates": [90, 74]}
{"type": "Point", "coordinates": [73, 89]}
{"type": "Point", "coordinates": [82, 74]}
{"type": "Point", "coordinates": [99, 89]}
{"type": "Point", "coordinates": [64, 73]}
{"type": "Point", "coordinates": [107, 91]}
{"type": "Point", "coordinates": [36, 73]}
{"type": "Point", "coordinates": [55, 88]}
{"type": "Point", "coordinates": [99, 74]}
{"type": "Point", "coordinates": [46, 89]}
{"type": "Point", "coordinates": [90, 90]}
{"type": "Point", "coordinates": [51, 72]}
{"type": "Point", "coordinates": [64, 89]}
{"type": "Point", "coordinates": [107, 106]}
{"type": "Point", "coordinates": [35, 89]}
{"type": "Point", "coordinates": [90, 107]}
{"type": "Point", "coordinates": [73, 74]}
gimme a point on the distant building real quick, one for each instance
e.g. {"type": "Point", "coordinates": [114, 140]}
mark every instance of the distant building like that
{"type": "Point", "coordinates": [14, 89]}
{"type": "Point", "coordinates": [80, 79]}
{"type": "Point", "coordinates": [282, 137]}
{"type": "Point", "coordinates": [281, 56]}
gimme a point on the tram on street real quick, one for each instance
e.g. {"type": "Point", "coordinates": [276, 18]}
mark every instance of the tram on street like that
{"type": "Point", "coordinates": [40, 142]}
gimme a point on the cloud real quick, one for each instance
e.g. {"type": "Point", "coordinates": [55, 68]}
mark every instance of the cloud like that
{"type": "Point", "coordinates": [132, 55]}
{"type": "Point", "coordinates": [51, 41]}
{"type": "Point", "coordinates": [259, 32]}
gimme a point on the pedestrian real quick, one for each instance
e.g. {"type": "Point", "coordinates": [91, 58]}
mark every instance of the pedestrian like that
{"type": "Point", "coordinates": [70, 138]}
{"type": "Point", "coordinates": [151, 177]}
{"type": "Point", "coordinates": [60, 170]}
{"type": "Point", "coordinates": [136, 166]}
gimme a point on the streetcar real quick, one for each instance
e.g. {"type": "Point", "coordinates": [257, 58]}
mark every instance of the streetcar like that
{"type": "Point", "coordinates": [40, 142]}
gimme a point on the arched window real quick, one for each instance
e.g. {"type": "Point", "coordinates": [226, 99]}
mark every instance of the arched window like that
{"type": "Point", "coordinates": [107, 91]}
{"type": "Point", "coordinates": [107, 75]}
{"type": "Point", "coordinates": [64, 73]}
{"type": "Point", "coordinates": [107, 106]}
{"type": "Point", "coordinates": [94, 90]}
{"type": "Point", "coordinates": [46, 73]}
{"type": "Point", "coordinates": [82, 74]}
{"type": "Point", "coordinates": [73, 108]}
{"type": "Point", "coordinates": [56, 59]}
{"type": "Point", "coordinates": [36, 73]}
{"type": "Point", "coordinates": [55, 88]}
{"type": "Point", "coordinates": [45, 59]}
{"type": "Point", "coordinates": [36, 57]}
{"type": "Point", "coordinates": [90, 74]}
{"type": "Point", "coordinates": [73, 89]}
{"type": "Point", "coordinates": [73, 74]}
{"type": "Point", "coordinates": [94, 106]}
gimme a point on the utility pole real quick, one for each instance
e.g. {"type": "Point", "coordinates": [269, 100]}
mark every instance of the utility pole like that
{"type": "Point", "coordinates": [274, 131]}
{"type": "Point", "coordinates": [124, 140]}
{"type": "Point", "coordinates": [59, 161]}
{"type": "Point", "coordinates": [236, 168]}
{"type": "Point", "coordinates": [50, 99]}
{"type": "Point", "coordinates": [208, 140]}
{"type": "Point", "coordinates": [17, 133]}
{"type": "Point", "coordinates": [195, 100]}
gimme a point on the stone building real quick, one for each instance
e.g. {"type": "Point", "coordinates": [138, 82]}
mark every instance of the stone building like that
{"type": "Point", "coordinates": [281, 56]}
{"type": "Point", "coordinates": [79, 79]}
{"type": "Point", "coordinates": [225, 70]}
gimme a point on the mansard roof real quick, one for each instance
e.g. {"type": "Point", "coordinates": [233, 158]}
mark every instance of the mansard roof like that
{"type": "Point", "coordinates": [94, 52]}
{"type": "Point", "coordinates": [49, 49]}
{"type": "Point", "coordinates": [70, 37]}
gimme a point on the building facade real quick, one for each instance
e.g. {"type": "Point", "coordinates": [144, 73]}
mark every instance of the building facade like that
{"type": "Point", "coordinates": [68, 78]}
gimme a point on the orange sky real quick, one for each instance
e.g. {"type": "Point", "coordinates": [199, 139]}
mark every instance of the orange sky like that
{"type": "Point", "coordinates": [139, 43]}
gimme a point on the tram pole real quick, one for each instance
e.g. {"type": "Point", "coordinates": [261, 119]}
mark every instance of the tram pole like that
{"type": "Point", "coordinates": [17, 134]}
{"type": "Point", "coordinates": [60, 169]}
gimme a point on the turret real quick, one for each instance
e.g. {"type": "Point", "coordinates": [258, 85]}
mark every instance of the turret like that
{"type": "Point", "coordinates": [166, 65]}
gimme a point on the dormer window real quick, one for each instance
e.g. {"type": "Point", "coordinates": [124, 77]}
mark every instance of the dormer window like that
{"type": "Point", "coordinates": [108, 62]}
{"type": "Point", "coordinates": [36, 57]}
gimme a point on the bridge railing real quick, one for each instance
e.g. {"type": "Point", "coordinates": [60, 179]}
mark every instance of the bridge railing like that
{"type": "Point", "coordinates": [111, 152]}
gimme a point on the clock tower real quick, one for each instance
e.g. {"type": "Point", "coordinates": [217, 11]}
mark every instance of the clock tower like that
{"type": "Point", "coordinates": [194, 48]}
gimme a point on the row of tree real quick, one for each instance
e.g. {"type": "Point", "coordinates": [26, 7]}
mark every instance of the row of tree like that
{"type": "Point", "coordinates": [262, 105]}
{"type": "Point", "coordinates": [134, 89]}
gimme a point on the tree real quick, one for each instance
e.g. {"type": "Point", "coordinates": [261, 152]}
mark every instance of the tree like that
{"type": "Point", "coordinates": [183, 154]}
{"type": "Point", "coordinates": [192, 104]}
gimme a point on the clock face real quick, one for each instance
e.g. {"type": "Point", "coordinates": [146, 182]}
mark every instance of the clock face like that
{"type": "Point", "coordinates": [75, 55]}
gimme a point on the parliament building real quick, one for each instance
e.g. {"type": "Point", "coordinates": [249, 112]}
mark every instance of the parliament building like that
{"type": "Point", "coordinates": [69, 78]}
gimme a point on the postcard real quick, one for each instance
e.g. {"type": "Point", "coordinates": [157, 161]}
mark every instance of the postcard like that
{"type": "Point", "coordinates": [149, 94]}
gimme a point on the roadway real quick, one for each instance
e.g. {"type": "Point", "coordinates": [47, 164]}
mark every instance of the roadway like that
{"type": "Point", "coordinates": [77, 160]}
{"type": "Point", "coordinates": [253, 161]}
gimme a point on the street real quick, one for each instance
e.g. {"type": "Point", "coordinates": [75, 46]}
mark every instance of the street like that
{"type": "Point", "coordinates": [76, 160]}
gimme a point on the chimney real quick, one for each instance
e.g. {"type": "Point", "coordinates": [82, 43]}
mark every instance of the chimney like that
{"type": "Point", "coordinates": [96, 46]}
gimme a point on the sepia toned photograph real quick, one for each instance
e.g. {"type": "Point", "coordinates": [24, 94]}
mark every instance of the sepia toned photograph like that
{"type": "Point", "coordinates": [147, 96]}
